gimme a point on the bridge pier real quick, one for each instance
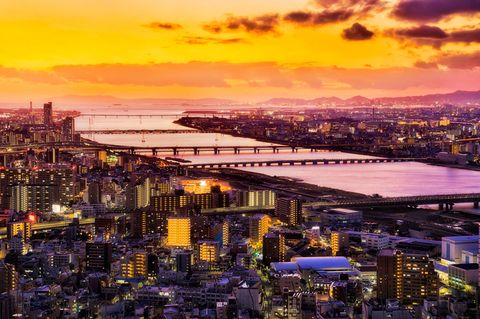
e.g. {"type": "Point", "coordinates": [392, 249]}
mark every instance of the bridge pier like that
{"type": "Point", "coordinates": [154, 151]}
{"type": "Point", "coordinates": [440, 207]}
{"type": "Point", "coordinates": [196, 151]}
{"type": "Point", "coordinates": [475, 205]}
{"type": "Point", "coordinates": [175, 151]}
{"type": "Point", "coordinates": [216, 151]}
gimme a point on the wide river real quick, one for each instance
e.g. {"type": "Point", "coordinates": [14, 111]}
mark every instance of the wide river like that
{"type": "Point", "coordinates": [388, 179]}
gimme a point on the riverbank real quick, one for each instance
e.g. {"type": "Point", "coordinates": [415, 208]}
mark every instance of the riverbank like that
{"type": "Point", "coordinates": [285, 186]}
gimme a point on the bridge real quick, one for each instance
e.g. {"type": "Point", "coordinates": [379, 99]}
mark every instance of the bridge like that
{"type": "Point", "coordinates": [146, 131]}
{"type": "Point", "coordinates": [46, 226]}
{"type": "Point", "coordinates": [442, 200]}
{"type": "Point", "coordinates": [300, 162]}
{"type": "Point", "coordinates": [185, 114]}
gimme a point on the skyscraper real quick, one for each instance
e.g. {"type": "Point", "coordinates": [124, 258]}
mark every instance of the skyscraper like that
{"type": "Point", "coordinates": [273, 248]}
{"type": "Point", "coordinates": [99, 256]}
{"type": "Point", "coordinates": [47, 114]}
{"type": "Point", "coordinates": [259, 225]}
{"type": "Point", "coordinates": [289, 211]}
{"type": "Point", "coordinates": [68, 129]}
{"type": "Point", "coordinates": [409, 278]}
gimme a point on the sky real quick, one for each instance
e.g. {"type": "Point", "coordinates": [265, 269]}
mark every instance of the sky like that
{"type": "Point", "coordinates": [246, 50]}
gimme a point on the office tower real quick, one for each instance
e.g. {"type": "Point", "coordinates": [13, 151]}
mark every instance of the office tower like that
{"type": "Point", "coordinates": [68, 129]}
{"type": "Point", "coordinates": [409, 278]}
{"type": "Point", "coordinates": [134, 265]}
{"type": "Point", "coordinates": [183, 261]}
{"type": "Point", "coordinates": [339, 242]}
{"type": "Point", "coordinates": [178, 230]}
{"type": "Point", "coordinates": [200, 228]}
{"type": "Point", "coordinates": [48, 114]}
{"type": "Point", "coordinates": [94, 193]}
{"type": "Point", "coordinates": [258, 226]}
{"type": "Point", "coordinates": [289, 211]}
{"type": "Point", "coordinates": [52, 155]}
{"type": "Point", "coordinates": [99, 256]}
{"type": "Point", "coordinates": [221, 233]}
{"type": "Point", "coordinates": [152, 265]}
{"type": "Point", "coordinates": [273, 248]}
{"type": "Point", "coordinates": [8, 277]}
{"type": "Point", "coordinates": [138, 223]}
{"type": "Point", "coordinates": [258, 198]}
{"type": "Point", "coordinates": [208, 251]}
{"type": "Point", "coordinates": [19, 228]}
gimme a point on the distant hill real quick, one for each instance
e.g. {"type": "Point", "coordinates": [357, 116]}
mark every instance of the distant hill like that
{"type": "Point", "coordinates": [112, 101]}
{"type": "Point", "coordinates": [458, 97]}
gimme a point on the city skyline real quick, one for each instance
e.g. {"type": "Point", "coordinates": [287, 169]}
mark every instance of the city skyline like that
{"type": "Point", "coordinates": [245, 51]}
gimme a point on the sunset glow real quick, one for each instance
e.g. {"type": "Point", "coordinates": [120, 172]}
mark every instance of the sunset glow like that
{"type": "Point", "coordinates": [243, 50]}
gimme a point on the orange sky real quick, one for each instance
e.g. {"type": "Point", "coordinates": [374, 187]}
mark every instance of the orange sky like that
{"type": "Point", "coordinates": [245, 50]}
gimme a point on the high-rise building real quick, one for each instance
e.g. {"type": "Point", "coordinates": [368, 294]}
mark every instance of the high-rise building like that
{"type": "Point", "coordinates": [289, 211]}
{"type": "Point", "coordinates": [178, 229]}
{"type": "Point", "coordinates": [183, 261]}
{"type": "Point", "coordinates": [221, 233]}
{"type": "Point", "coordinates": [19, 228]}
{"type": "Point", "coordinates": [8, 277]}
{"type": "Point", "coordinates": [273, 248]}
{"type": "Point", "coordinates": [33, 197]}
{"type": "Point", "coordinates": [258, 226]}
{"type": "Point", "coordinates": [68, 129]}
{"type": "Point", "coordinates": [48, 114]}
{"type": "Point", "coordinates": [208, 251]}
{"type": "Point", "coordinates": [58, 180]}
{"type": "Point", "coordinates": [99, 256]}
{"type": "Point", "coordinates": [409, 278]}
{"type": "Point", "coordinates": [256, 198]}
{"type": "Point", "coordinates": [134, 265]}
{"type": "Point", "coordinates": [339, 242]}
{"type": "Point", "coordinates": [94, 193]}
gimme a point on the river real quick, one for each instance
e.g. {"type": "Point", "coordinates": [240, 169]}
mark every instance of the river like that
{"type": "Point", "coordinates": [386, 179]}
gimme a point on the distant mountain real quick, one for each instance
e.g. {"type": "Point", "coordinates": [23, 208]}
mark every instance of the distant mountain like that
{"type": "Point", "coordinates": [458, 97]}
{"type": "Point", "coordinates": [112, 101]}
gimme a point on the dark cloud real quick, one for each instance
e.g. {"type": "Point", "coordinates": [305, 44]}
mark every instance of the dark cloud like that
{"type": "Point", "coordinates": [460, 61]}
{"type": "Point", "coordinates": [318, 18]}
{"type": "Point", "coordinates": [357, 32]}
{"type": "Point", "coordinates": [426, 65]}
{"type": "Point", "coordinates": [261, 24]}
{"type": "Point", "coordinates": [209, 40]}
{"type": "Point", "coordinates": [423, 31]}
{"type": "Point", "coordinates": [433, 10]}
{"type": "Point", "coordinates": [466, 36]}
{"type": "Point", "coordinates": [434, 36]}
{"type": "Point", "coordinates": [164, 26]}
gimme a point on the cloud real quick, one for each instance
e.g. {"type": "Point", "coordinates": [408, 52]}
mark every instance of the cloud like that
{"type": "Point", "coordinates": [426, 65]}
{"type": "Point", "coordinates": [435, 36]}
{"type": "Point", "coordinates": [210, 40]}
{"type": "Point", "coordinates": [459, 74]}
{"type": "Point", "coordinates": [260, 24]}
{"type": "Point", "coordinates": [422, 31]}
{"type": "Point", "coordinates": [164, 26]}
{"type": "Point", "coordinates": [460, 60]}
{"type": "Point", "coordinates": [357, 32]}
{"type": "Point", "coordinates": [433, 10]}
{"type": "Point", "coordinates": [466, 36]}
{"type": "Point", "coordinates": [360, 7]}
{"type": "Point", "coordinates": [318, 18]}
